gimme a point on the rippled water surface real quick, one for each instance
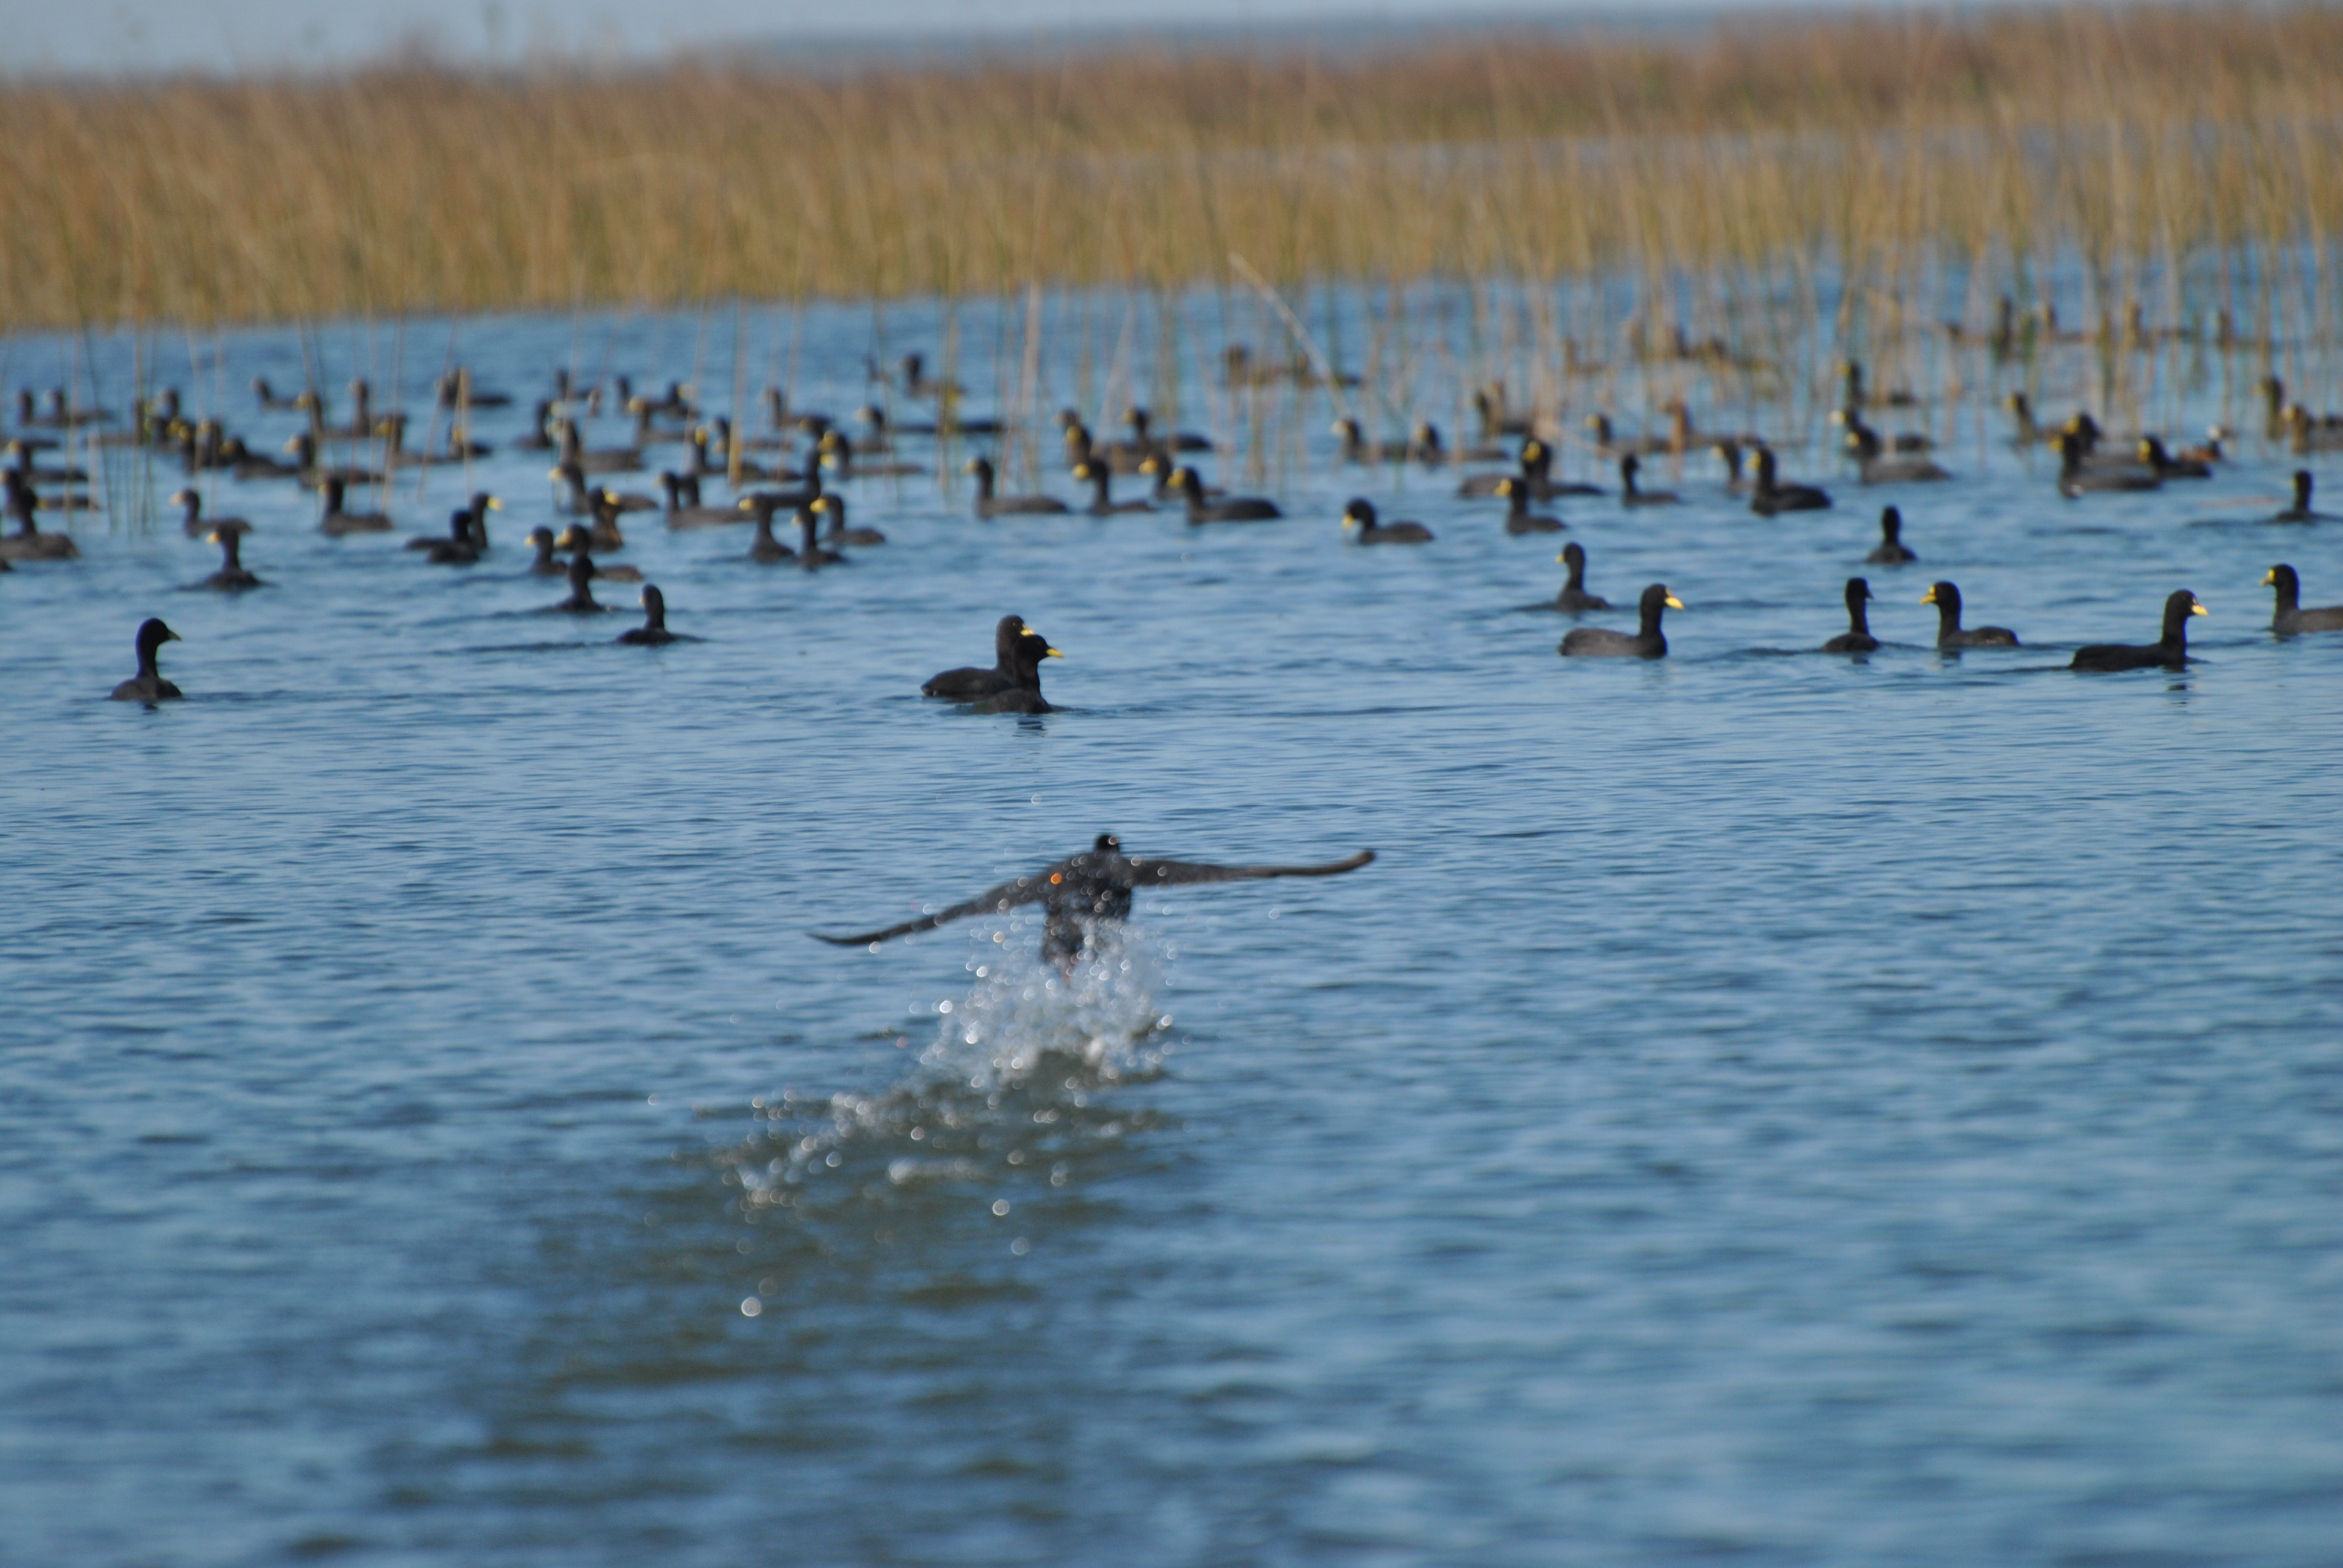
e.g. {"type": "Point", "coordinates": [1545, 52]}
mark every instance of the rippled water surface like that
{"type": "Point", "coordinates": [1758, 1105]}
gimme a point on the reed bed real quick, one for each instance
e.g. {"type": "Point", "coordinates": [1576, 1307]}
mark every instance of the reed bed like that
{"type": "Point", "coordinates": [1902, 152]}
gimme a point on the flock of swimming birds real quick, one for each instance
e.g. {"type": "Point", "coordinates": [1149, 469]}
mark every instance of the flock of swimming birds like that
{"type": "Point", "coordinates": [792, 465]}
{"type": "Point", "coordinates": [1012, 683]}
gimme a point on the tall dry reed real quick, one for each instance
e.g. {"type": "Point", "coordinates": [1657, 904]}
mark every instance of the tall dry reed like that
{"type": "Point", "coordinates": [1929, 163]}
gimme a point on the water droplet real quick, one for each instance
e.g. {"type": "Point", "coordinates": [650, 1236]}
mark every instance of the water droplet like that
{"type": "Point", "coordinates": [1020, 1246]}
{"type": "Point", "coordinates": [750, 1306]}
{"type": "Point", "coordinates": [1001, 1208]}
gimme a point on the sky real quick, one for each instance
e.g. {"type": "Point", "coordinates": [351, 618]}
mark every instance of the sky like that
{"type": "Point", "coordinates": [141, 36]}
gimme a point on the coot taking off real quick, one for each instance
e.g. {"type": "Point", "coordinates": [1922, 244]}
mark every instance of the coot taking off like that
{"type": "Point", "coordinates": [1948, 600]}
{"type": "Point", "coordinates": [1647, 642]}
{"type": "Point", "coordinates": [148, 684]}
{"type": "Point", "coordinates": [1088, 890]}
{"type": "Point", "coordinates": [2291, 617]}
{"type": "Point", "coordinates": [2170, 651]}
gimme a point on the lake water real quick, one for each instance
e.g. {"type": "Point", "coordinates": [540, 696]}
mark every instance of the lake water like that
{"type": "Point", "coordinates": [1758, 1105]}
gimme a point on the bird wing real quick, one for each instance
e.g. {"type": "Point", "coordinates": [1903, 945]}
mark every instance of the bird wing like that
{"type": "Point", "coordinates": [1025, 889]}
{"type": "Point", "coordinates": [1172, 873]}
{"type": "Point", "coordinates": [1035, 887]}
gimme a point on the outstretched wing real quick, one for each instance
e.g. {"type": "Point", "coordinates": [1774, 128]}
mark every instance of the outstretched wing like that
{"type": "Point", "coordinates": [1026, 889]}
{"type": "Point", "coordinates": [1171, 873]}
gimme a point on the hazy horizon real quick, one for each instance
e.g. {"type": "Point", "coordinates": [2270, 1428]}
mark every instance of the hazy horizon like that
{"type": "Point", "coordinates": [134, 37]}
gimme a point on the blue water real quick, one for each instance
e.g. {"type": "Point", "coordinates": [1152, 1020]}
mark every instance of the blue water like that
{"type": "Point", "coordinates": [1757, 1106]}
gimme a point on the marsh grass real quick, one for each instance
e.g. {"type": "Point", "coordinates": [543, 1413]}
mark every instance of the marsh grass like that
{"type": "Point", "coordinates": [2131, 136]}
{"type": "Point", "coordinates": [1631, 219]}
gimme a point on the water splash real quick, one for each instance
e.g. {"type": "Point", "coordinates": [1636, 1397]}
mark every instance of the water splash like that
{"type": "Point", "coordinates": [1013, 1085]}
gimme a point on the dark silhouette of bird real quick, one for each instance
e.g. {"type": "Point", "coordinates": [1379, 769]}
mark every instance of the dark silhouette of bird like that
{"type": "Point", "coordinates": [1519, 518]}
{"type": "Point", "coordinates": [1646, 642]}
{"type": "Point", "coordinates": [653, 632]}
{"type": "Point", "coordinates": [1361, 514]}
{"type": "Point", "coordinates": [990, 505]}
{"type": "Point", "coordinates": [2291, 617]}
{"type": "Point", "coordinates": [1769, 495]}
{"type": "Point", "coordinates": [968, 683]}
{"type": "Point", "coordinates": [1891, 550]}
{"type": "Point", "coordinates": [1091, 890]}
{"type": "Point", "coordinates": [1946, 598]}
{"type": "Point", "coordinates": [2301, 510]}
{"type": "Point", "coordinates": [1574, 598]}
{"type": "Point", "coordinates": [1629, 496]}
{"type": "Point", "coordinates": [2170, 651]}
{"type": "Point", "coordinates": [231, 578]}
{"type": "Point", "coordinates": [1856, 637]}
{"type": "Point", "coordinates": [148, 684]}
